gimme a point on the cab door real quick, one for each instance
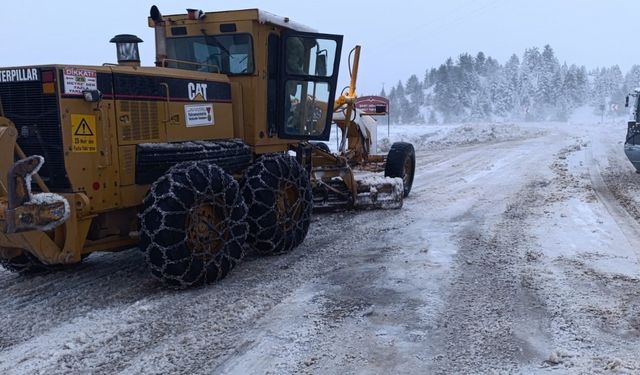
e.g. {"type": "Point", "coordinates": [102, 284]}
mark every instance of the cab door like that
{"type": "Point", "coordinates": [309, 64]}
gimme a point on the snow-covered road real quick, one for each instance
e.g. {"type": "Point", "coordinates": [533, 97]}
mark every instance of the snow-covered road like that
{"type": "Point", "coordinates": [517, 252]}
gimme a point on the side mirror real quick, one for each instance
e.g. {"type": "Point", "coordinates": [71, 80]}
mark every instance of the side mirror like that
{"type": "Point", "coordinates": [321, 65]}
{"type": "Point", "coordinates": [626, 102]}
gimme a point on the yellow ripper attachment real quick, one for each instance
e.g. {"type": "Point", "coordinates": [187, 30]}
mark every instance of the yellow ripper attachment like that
{"type": "Point", "coordinates": [22, 211]}
{"type": "Point", "coordinates": [376, 192]}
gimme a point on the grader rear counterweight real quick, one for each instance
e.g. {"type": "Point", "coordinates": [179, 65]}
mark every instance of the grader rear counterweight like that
{"type": "Point", "coordinates": [206, 156]}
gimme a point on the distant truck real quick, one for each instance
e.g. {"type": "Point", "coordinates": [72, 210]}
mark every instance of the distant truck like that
{"type": "Point", "coordinates": [632, 142]}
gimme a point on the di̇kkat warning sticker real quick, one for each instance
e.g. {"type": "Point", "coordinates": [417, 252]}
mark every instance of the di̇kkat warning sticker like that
{"type": "Point", "coordinates": [78, 80]}
{"type": "Point", "coordinates": [199, 115]}
{"type": "Point", "coordinates": [83, 133]}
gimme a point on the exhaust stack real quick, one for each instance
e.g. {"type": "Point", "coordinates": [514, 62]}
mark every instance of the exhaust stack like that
{"type": "Point", "coordinates": [127, 49]}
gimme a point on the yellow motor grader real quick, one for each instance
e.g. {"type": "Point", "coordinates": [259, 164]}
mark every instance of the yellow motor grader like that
{"type": "Point", "coordinates": [211, 153]}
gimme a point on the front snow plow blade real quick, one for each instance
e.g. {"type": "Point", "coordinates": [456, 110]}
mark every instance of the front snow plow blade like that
{"type": "Point", "coordinates": [22, 211]}
{"type": "Point", "coordinates": [376, 192]}
{"type": "Point", "coordinates": [335, 186]}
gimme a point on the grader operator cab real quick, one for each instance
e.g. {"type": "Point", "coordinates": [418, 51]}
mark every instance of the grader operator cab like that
{"type": "Point", "coordinates": [196, 160]}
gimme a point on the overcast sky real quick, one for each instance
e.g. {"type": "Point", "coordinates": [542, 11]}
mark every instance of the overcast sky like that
{"type": "Point", "coordinates": [399, 38]}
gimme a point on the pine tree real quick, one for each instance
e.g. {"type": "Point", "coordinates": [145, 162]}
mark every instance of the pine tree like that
{"type": "Point", "coordinates": [501, 97]}
{"type": "Point", "coordinates": [618, 91]}
{"type": "Point", "coordinates": [570, 87]}
{"type": "Point", "coordinates": [416, 98]}
{"type": "Point", "coordinates": [481, 62]}
{"type": "Point", "coordinates": [394, 105]}
{"type": "Point", "coordinates": [535, 87]}
{"type": "Point", "coordinates": [513, 86]}
{"type": "Point", "coordinates": [468, 80]}
{"type": "Point", "coordinates": [632, 78]}
{"type": "Point", "coordinates": [530, 74]}
{"type": "Point", "coordinates": [550, 78]}
{"type": "Point", "coordinates": [581, 95]}
{"type": "Point", "coordinates": [445, 92]}
{"type": "Point", "coordinates": [402, 103]}
{"type": "Point", "coordinates": [481, 107]}
{"type": "Point", "coordinates": [491, 67]}
{"type": "Point", "coordinates": [607, 84]}
{"type": "Point", "coordinates": [433, 76]}
{"type": "Point", "coordinates": [433, 120]}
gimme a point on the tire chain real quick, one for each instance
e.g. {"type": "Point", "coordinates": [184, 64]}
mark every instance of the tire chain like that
{"type": "Point", "coordinates": [163, 224]}
{"type": "Point", "coordinates": [262, 184]}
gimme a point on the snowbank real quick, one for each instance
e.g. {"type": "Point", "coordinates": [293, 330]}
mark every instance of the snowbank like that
{"type": "Point", "coordinates": [430, 137]}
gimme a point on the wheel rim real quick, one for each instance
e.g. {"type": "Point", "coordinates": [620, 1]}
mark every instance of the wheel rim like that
{"type": "Point", "coordinates": [288, 206]}
{"type": "Point", "coordinates": [207, 231]}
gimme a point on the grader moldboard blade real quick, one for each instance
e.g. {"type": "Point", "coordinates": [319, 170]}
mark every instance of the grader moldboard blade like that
{"type": "Point", "coordinates": [335, 187]}
{"type": "Point", "coordinates": [376, 192]}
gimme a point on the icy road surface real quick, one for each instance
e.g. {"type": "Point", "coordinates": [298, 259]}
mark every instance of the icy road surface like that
{"type": "Point", "coordinates": [517, 252]}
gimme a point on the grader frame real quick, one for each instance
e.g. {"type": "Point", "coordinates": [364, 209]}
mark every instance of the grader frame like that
{"type": "Point", "coordinates": [119, 132]}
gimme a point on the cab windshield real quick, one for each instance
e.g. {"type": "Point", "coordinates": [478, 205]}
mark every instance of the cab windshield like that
{"type": "Point", "coordinates": [230, 54]}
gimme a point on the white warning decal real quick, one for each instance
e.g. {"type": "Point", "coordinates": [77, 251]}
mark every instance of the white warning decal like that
{"type": "Point", "coordinates": [78, 80]}
{"type": "Point", "coordinates": [199, 115]}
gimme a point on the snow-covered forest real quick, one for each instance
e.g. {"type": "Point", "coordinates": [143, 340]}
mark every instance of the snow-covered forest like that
{"type": "Point", "coordinates": [533, 87]}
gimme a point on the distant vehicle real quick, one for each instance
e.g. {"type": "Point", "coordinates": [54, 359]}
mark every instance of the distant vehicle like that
{"type": "Point", "coordinates": [632, 142]}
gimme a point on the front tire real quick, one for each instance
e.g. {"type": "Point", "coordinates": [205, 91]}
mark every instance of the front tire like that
{"type": "Point", "coordinates": [401, 162]}
{"type": "Point", "coordinates": [21, 261]}
{"type": "Point", "coordinates": [277, 190]}
{"type": "Point", "coordinates": [193, 225]}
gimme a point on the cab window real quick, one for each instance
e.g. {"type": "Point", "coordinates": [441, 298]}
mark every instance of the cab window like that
{"type": "Point", "coordinates": [307, 107]}
{"type": "Point", "coordinates": [230, 54]}
{"type": "Point", "coordinates": [310, 56]}
{"type": "Point", "coordinates": [309, 79]}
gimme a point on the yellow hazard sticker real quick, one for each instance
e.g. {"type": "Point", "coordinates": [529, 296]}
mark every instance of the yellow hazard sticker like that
{"type": "Point", "coordinates": [83, 133]}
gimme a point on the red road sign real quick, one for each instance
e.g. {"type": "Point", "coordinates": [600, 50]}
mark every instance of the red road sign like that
{"type": "Point", "coordinates": [373, 105]}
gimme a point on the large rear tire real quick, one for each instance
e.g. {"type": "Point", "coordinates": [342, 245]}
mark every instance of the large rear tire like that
{"type": "Point", "coordinates": [401, 162]}
{"type": "Point", "coordinates": [277, 190]}
{"type": "Point", "coordinates": [192, 226]}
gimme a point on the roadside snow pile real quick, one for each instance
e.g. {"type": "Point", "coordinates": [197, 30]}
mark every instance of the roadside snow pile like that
{"type": "Point", "coordinates": [429, 137]}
